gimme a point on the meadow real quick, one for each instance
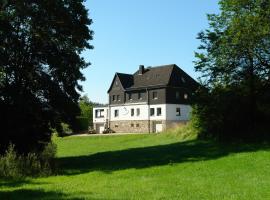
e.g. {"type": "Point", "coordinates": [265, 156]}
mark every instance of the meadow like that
{"type": "Point", "coordinates": [149, 166]}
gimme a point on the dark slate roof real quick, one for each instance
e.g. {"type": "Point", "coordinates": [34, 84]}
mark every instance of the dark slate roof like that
{"type": "Point", "coordinates": [153, 76]}
{"type": "Point", "coordinates": [125, 79]}
{"type": "Point", "coordinates": [159, 76]}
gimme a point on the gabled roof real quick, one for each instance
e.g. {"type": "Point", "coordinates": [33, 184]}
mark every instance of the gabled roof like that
{"type": "Point", "coordinates": [159, 76]}
{"type": "Point", "coordinates": [126, 80]}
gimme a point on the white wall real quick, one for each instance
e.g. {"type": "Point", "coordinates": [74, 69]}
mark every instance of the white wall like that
{"type": "Point", "coordinates": [171, 112]}
{"type": "Point", "coordinates": [163, 112]}
{"type": "Point", "coordinates": [168, 112]}
{"type": "Point", "coordinates": [105, 114]}
{"type": "Point", "coordinates": [125, 112]}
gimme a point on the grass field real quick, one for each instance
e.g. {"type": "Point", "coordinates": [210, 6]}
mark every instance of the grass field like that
{"type": "Point", "coordinates": [149, 167]}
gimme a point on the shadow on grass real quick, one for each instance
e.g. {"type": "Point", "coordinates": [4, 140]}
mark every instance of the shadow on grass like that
{"type": "Point", "coordinates": [32, 194]}
{"type": "Point", "coordinates": [189, 151]}
{"type": "Point", "coordinates": [12, 183]}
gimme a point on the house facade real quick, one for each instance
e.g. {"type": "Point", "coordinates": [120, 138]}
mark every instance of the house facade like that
{"type": "Point", "coordinates": [152, 99]}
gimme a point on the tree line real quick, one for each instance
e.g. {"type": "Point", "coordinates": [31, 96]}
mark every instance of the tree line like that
{"type": "Point", "coordinates": [234, 60]}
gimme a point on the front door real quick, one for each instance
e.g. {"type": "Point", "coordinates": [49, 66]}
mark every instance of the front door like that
{"type": "Point", "coordinates": [158, 128]}
{"type": "Point", "coordinates": [101, 129]}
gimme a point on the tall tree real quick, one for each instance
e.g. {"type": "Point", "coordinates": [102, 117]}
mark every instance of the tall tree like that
{"type": "Point", "coordinates": [40, 63]}
{"type": "Point", "coordinates": [235, 62]}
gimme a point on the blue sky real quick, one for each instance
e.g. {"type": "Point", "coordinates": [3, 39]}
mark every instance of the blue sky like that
{"type": "Point", "coordinates": [129, 33]}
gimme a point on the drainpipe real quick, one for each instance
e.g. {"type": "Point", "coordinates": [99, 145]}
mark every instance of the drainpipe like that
{"type": "Point", "coordinates": [148, 103]}
{"type": "Point", "coordinates": [109, 113]}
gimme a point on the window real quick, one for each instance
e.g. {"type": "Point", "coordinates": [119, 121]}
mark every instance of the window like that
{"type": "Point", "coordinates": [158, 111]}
{"type": "Point", "coordinates": [185, 96]}
{"type": "Point", "coordinates": [137, 125]}
{"type": "Point", "coordinates": [132, 125]}
{"type": "Point", "coordinates": [138, 111]}
{"type": "Point", "coordinates": [177, 95]}
{"type": "Point", "coordinates": [140, 95]}
{"type": "Point", "coordinates": [116, 113]}
{"type": "Point", "coordinates": [113, 97]}
{"type": "Point", "coordinates": [118, 97]}
{"type": "Point", "coordinates": [183, 79]}
{"type": "Point", "coordinates": [99, 113]}
{"type": "Point", "coordinates": [116, 125]}
{"type": "Point", "coordinates": [132, 112]}
{"type": "Point", "coordinates": [129, 96]}
{"type": "Point", "coordinates": [178, 112]}
{"type": "Point", "coordinates": [155, 95]}
{"type": "Point", "coordinates": [116, 82]}
{"type": "Point", "coordinates": [152, 111]}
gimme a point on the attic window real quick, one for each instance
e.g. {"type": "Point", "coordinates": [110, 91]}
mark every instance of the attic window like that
{"type": "Point", "coordinates": [183, 79]}
{"type": "Point", "coordinates": [116, 82]}
{"type": "Point", "coordinates": [177, 95]}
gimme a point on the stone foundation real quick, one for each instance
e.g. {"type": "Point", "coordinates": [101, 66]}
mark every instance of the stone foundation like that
{"type": "Point", "coordinates": [143, 126]}
{"type": "Point", "coordinates": [134, 126]}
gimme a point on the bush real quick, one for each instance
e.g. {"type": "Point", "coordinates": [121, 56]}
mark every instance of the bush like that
{"type": "Point", "coordinates": [13, 165]}
{"type": "Point", "coordinates": [82, 124]}
{"type": "Point", "coordinates": [184, 132]}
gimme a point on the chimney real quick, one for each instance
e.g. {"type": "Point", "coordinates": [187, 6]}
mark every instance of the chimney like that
{"type": "Point", "coordinates": [141, 69]}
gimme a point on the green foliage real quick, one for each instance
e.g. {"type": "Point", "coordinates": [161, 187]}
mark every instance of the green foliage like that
{"type": "Point", "coordinates": [234, 59]}
{"type": "Point", "coordinates": [13, 165]}
{"type": "Point", "coordinates": [82, 123]}
{"type": "Point", "coordinates": [85, 119]}
{"type": "Point", "coordinates": [40, 59]}
{"type": "Point", "coordinates": [183, 132]}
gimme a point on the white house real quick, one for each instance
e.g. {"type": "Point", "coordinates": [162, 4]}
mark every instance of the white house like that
{"type": "Point", "coordinates": [151, 100]}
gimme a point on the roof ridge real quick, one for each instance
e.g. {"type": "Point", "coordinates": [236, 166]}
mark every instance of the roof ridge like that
{"type": "Point", "coordinates": [123, 73]}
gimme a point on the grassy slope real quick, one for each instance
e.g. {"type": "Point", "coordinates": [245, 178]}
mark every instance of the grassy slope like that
{"type": "Point", "coordinates": [149, 167]}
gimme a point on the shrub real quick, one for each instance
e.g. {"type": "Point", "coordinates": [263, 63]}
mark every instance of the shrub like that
{"type": "Point", "coordinates": [13, 165]}
{"type": "Point", "coordinates": [10, 163]}
{"type": "Point", "coordinates": [184, 132]}
{"type": "Point", "coordinates": [82, 123]}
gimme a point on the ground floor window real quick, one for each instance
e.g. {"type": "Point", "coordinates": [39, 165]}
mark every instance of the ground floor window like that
{"type": "Point", "coordinates": [138, 111]}
{"type": "Point", "coordinates": [158, 111]}
{"type": "Point", "coordinates": [116, 113]}
{"type": "Point", "coordinates": [152, 111]}
{"type": "Point", "coordinates": [178, 112]}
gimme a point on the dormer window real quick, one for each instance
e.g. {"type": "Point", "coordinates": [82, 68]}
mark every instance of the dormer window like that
{"type": "Point", "coordinates": [113, 97]}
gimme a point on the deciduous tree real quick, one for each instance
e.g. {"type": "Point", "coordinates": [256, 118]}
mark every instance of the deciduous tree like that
{"type": "Point", "coordinates": [234, 59]}
{"type": "Point", "coordinates": [40, 66]}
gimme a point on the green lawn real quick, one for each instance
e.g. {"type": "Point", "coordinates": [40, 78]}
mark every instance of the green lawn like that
{"type": "Point", "coordinates": [149, 166]}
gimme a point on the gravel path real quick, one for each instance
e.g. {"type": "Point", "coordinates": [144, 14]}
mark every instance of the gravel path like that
{"type": "Point", "coordinates": [107, 134]}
